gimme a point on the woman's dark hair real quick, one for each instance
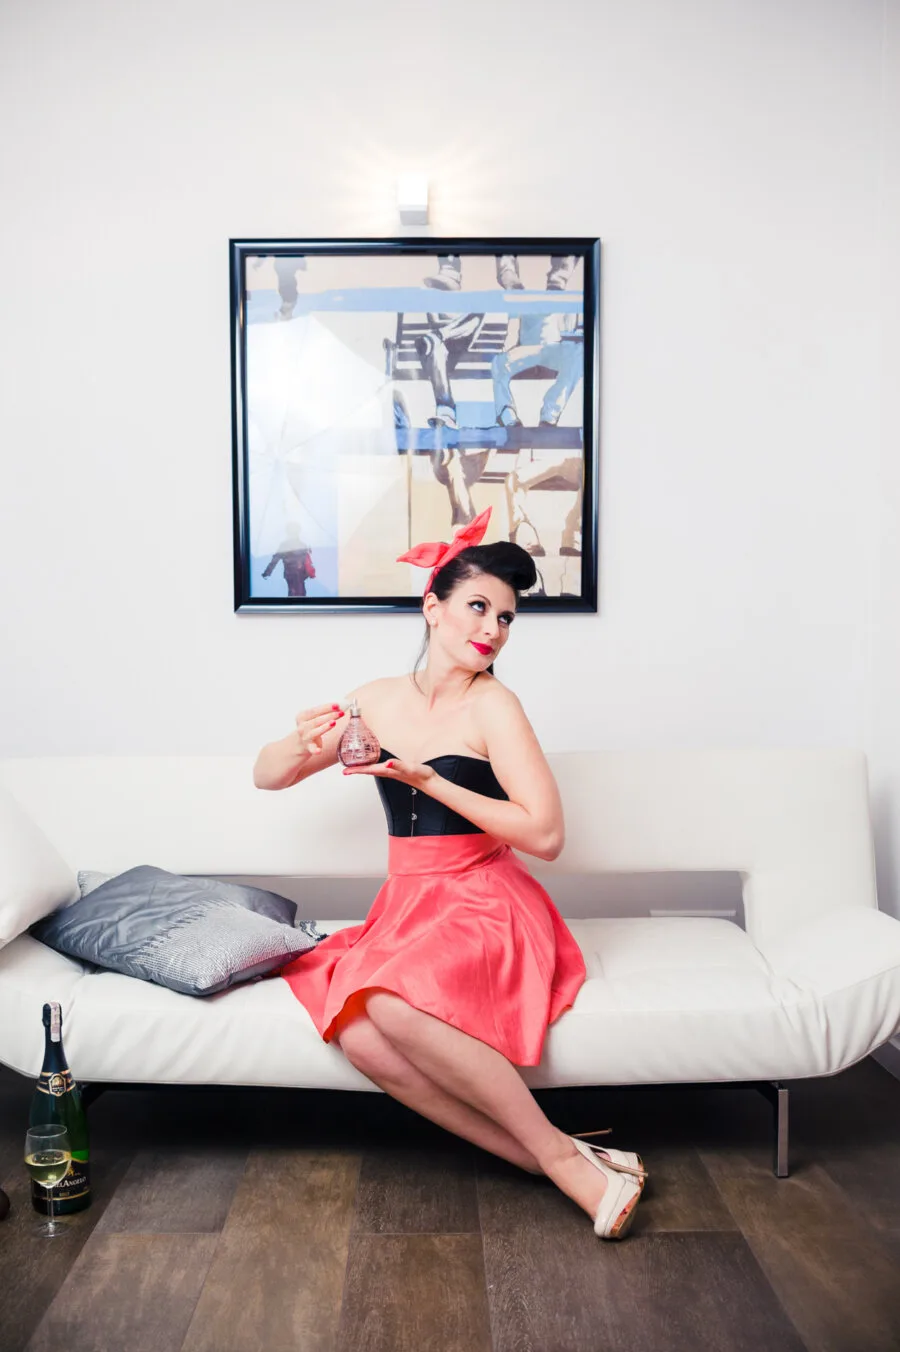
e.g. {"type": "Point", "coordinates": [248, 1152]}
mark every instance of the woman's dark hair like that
{"type": "Point", "coordinates": [502, 559]}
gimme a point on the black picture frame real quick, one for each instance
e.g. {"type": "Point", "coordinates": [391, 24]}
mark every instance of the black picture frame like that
{"type": "Point", "coordinates": [335, 464]}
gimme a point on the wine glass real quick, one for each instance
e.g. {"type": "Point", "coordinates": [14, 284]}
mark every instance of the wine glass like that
{"type": "Point", "coordinates": [48, 1158]}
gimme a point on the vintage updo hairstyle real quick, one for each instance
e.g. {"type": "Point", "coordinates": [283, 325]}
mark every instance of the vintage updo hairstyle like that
{"type": "Point", "coordinates": [502, 559]}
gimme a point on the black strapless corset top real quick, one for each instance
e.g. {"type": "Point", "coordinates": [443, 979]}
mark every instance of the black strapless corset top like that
{"type": "Point", "coordinates": [412, 812]}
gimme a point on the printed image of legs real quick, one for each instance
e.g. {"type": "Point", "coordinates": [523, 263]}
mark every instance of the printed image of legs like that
{"type": "Point", "coordinates": [286, 270]}
{"type": "Point", "coordinates": [566, 473]}
{"type": "Point", "coordinates": [439, 350]}
{"type": "Point", "coordinates": [561, 268]}
{"type": "Point", "coordinates": [565, 357]}
{"type": "Point", "coordinates": [402, 420]}
{"type": "Point", "coordinates": [449, 274]}
{"type": "Point", "coordinates": [570, 544]}
{"type": "Point", "coordinates": [458, 470]}
{"type": "Point", "coordinates": [570, 359]}
{"type": "Point", "coordinates": [508, 273]}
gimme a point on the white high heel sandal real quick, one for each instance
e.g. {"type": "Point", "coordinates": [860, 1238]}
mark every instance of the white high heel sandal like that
{"type": "Point", "coordinates": [624, 1158]}
{"type": "Point", "coordinates": [625, 1176]}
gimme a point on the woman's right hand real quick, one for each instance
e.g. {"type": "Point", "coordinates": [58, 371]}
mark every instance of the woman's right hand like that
{"type": "Point", "coordinates": [293, 758]}
{"type": "Point", "coordinates": [312, 726]}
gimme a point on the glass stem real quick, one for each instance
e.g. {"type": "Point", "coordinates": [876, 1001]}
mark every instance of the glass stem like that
{"type": "Point", "coordinates": [50, 1223]}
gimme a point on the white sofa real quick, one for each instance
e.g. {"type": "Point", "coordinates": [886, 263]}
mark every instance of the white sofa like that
{"type": "Point", "coordinates": [810, 987]}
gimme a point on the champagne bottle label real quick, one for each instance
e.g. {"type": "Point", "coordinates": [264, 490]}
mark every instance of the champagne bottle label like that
{"type": "Point", "coordinates": [56, 1083]}
{"type": "Point", "coordinates": [76, 1184]}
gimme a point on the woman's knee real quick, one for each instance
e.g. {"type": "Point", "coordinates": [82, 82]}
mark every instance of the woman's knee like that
{"type": "Point", "coordinates": [360, 1041]}
{"type": "Point", "coordinates": [390, 1013]}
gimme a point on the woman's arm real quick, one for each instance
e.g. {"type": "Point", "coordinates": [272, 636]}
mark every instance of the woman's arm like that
{"type": "Point", "coordinates": [532, 820]}
{"type": "Point", "coordinates": [312, 746]}
{"type": "Point", "coordinates": [522, 771]}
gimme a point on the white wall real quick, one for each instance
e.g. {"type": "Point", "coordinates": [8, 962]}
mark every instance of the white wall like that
{"type": "Point", "coordinates": [729, 156]}
{"type": "Point", "coordinates": [884, 709]}
{"type": "Point", "coordinates": [884, 727]}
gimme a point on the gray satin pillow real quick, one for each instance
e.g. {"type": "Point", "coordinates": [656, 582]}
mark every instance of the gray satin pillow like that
{"type": "Point", "coordinates": [194, 935]}
{"type": "Point", "coordinates": [89, 880]}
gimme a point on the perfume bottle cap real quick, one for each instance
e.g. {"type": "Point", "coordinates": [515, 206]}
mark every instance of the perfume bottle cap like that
{"type": "Point", "coordinates": [354, 709]}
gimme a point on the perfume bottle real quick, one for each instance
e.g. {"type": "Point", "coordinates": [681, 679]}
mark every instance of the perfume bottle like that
{"type": "Point", "coordinates": [359, 745]}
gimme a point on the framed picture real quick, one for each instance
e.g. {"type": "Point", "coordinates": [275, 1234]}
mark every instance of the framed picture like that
{"type": "Point", "coordinates": [386, 392]}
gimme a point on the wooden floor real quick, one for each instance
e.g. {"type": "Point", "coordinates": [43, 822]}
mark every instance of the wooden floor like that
{"type": "Point", "coordinates": [267, 1221]}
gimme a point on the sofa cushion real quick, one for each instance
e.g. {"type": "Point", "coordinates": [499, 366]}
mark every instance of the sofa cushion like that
{"type": "Point", "coordinates": [34, 878]}
{"type": "Point", "coordinates": [194, 935]}
{"type": "Point", "coordinates": [674, 999]}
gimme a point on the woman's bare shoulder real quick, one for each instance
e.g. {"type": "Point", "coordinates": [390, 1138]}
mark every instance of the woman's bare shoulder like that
{"type": "Point", "coordinates": [382, 688]}
{"type": "Point", "coordinates": [491, 687]}
{"type": "Point", "coordinates": [493, 697]}
{"type": "Point", "coordinates": [506, 729]}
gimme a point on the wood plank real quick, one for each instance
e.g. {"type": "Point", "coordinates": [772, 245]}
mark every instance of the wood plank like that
{"type": "Point", "coordinates": [417, 1191]}
{"type": "Point", "coordinates": [41, 1266]}
{"type": "Point", "coordinates": [11, 1152]}
{"type": "Point", "coordinates": [553, 1284]}
{"type": "Point", "coordinates": [869, 1175]}
{"type": "Point", "coordinates": [134, 1292]}
{"type": "Point", "coordinates": [680, 1195]}
{"type": "Point", "coordinates": [547, 1256]}
{"type": "Point", "coordinates": [835, 1276]}
{"type": "Point", "coordinates": [169, 1191]}
{"type": "Point", "coordinates": [407, 1293]}
{"type": "Point", "coordinates": [278, 1273]}
{"type": "Point", "coordinates": [850, 1124]}
{"type": "Point", "coordinates": [15, 1101]}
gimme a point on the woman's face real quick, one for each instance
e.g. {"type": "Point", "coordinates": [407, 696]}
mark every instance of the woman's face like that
{"type": "Point", "coordinates": [472, 624]}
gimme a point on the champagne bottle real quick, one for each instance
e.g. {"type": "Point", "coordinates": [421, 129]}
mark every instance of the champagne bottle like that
{"type": "Point", "coordinates": [56, 1098]}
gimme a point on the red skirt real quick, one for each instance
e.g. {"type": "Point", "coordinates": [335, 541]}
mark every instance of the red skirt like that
{"type": "Point", "coordinates": [461, 930]}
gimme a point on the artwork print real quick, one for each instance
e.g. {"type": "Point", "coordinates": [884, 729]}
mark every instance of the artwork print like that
{"type": "Point", "coordinates": [387, 392]}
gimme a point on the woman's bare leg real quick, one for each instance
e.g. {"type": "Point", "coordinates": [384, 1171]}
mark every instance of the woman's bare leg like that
{"type": "Point", "coordinates": [475, 1073]}
{"type": "Point", "coordinates": [370, 1051]}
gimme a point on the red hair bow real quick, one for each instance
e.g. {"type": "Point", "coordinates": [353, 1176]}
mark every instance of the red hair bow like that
{"type": "Point", "coordinates": [435, 554]}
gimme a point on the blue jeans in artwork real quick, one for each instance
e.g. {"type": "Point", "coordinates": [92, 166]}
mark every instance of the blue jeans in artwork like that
{"type": "Point", "coordinates": [566, 358]}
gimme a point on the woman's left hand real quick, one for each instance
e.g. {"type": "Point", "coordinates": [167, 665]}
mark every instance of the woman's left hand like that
{"type": "Point", "coordinates": [407, 772]}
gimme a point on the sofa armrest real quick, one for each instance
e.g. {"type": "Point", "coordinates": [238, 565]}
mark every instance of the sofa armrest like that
{"type": "Point", "coordinates": [839, 949]}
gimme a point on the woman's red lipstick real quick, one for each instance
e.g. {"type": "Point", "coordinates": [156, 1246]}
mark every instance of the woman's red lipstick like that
{"type": "Point", "coordinates": [483, 648]}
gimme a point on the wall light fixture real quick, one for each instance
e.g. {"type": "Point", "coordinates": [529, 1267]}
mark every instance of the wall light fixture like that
{"type": "Point", "coordinates": [412, 199]}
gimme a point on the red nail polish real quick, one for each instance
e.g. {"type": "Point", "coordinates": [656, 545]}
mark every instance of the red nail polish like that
{"type": "Point", "coordinates": [390, 765]}
{"type": "Point", "coordinates": [331, 725]}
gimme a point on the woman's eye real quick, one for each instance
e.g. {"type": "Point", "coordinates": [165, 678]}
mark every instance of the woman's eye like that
{"type": "Point", "coordinates": [479, 605]}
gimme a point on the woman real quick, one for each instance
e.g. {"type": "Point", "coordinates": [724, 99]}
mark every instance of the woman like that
{"type": "Point", "coordinates": [463, 960]}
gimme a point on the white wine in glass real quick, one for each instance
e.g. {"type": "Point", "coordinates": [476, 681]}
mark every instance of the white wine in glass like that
{"type": "Point", "coordinates": [48, 1158]}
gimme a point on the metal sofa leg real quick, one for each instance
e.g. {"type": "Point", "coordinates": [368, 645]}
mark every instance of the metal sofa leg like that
{"type": "Point", "coordinates": [777, 1094]}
